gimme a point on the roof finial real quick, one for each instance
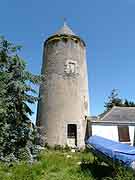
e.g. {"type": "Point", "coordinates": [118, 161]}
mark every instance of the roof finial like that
{"type": "Point", "coordinates": [65, 29]}
{"type": "Point", "coordinates": [65, 21]}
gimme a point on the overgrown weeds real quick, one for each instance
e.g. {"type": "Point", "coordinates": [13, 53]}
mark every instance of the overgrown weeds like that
{"type": "Point", "coordinates": [57, 165]}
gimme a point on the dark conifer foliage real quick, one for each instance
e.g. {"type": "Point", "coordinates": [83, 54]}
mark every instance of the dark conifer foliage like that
{"type": "Point", "coordinates": [115, 100]}
{"type": "Point", "coordinates": [16, 92]}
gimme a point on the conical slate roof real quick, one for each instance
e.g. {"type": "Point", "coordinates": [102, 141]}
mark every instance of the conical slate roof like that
{"type": "Point", "coordinates": [65, 30]}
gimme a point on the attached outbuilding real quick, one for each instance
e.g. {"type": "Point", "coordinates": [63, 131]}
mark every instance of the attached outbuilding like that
{"type": "Point", "coordinates": [118, 124]}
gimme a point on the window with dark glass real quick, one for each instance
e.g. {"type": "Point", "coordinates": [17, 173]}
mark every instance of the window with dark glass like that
{"type": "Point", "coordinates": [123, 132]}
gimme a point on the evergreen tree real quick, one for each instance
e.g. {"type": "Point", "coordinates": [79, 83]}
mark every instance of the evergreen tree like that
{"type": "Point", "coordinates": [113, 100]}
{"type": "Point", "coordinates": [126, 103]}
{"type": "Point", "coordinates": [15, 93]}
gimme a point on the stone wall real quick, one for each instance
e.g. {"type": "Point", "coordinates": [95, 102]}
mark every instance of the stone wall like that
{"type": "Point", "coordinates": [64, 94]}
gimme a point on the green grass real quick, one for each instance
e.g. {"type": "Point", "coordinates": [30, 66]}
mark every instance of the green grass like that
{"type": "Point", "coordinates": [56, 165]}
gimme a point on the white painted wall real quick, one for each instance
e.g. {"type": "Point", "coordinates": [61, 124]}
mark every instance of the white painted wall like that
{"type": "Point", "coordinates": [111, 132]}
{"type": "Point", "coordinates": [131, 133]}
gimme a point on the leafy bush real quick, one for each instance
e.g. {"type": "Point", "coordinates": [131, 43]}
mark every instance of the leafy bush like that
{"type": "Point", "coordinates": [58, 147]}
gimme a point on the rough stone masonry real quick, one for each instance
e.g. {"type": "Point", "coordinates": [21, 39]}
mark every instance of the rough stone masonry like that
{"type": "Point", "coordinates": [63, 102]}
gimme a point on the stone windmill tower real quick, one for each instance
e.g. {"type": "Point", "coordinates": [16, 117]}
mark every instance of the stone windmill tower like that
{"type": "Point", "coordinates": [63, 102]}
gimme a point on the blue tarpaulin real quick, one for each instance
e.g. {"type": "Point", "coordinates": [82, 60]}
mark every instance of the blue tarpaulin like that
{"type": "Point", "coordinates": [123, 153]}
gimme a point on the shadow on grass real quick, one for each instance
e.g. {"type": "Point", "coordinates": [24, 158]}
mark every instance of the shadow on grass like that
{"type": "Point", "coordinates": [98, 171]}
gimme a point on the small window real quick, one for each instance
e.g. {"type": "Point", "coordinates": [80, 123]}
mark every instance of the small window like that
{"type": "Point", "coordinates": [123, 132]}
{"type": "Point", "coordinates": [72, 131]}
{"type": "Point", "coordinates": [76, 41]}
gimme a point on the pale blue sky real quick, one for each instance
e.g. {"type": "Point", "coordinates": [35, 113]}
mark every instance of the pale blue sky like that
{"type": "Point", "coordinates": [107, 27]}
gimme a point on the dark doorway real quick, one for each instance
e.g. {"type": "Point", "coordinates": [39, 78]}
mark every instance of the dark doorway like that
{"type": "Point", "coordinates": [72, 132]}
